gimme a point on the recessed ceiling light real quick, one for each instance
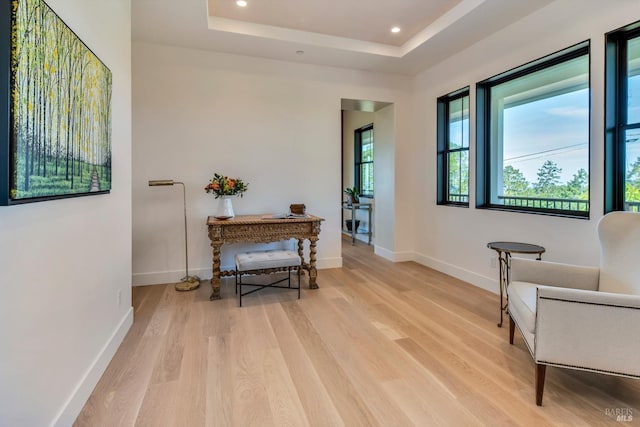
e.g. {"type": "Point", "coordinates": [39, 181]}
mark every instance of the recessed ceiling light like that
{"type": "Point", "coordinates": [241, 3]}
{"type": "Point", "coordinates": [395, 29]}
{"type": "Point", "coordinates": [300, 52]}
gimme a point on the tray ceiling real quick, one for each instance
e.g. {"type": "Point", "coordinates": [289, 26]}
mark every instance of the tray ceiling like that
{"type": "Point", "coordinates": [343, 33]}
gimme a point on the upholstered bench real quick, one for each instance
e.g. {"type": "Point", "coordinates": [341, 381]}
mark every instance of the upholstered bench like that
{"type": "Point", "coordinates": [266, 262]}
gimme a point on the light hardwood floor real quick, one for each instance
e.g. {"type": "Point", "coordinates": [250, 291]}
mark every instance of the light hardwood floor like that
{"type": "Point", "coordinates": [379, 344]}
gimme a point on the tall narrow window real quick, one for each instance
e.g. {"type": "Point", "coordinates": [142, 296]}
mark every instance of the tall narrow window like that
{"type": "Point", "coordinates": [453, 148]}
{"type": "Point", "coordinates": [364, 160]}
{"type": "Point", "coordinates": [533, 136]}
{"type": "Point", "coordinates": [622, 138]}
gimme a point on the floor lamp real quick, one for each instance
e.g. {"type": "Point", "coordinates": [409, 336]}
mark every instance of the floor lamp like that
{"type": "Point", "coordinates": [187, 283]}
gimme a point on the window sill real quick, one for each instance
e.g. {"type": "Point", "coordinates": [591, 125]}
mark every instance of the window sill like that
{"type": "Point", "coordinates": [454, 204]}
{"type": "Point", "coordinates": [547, 212]}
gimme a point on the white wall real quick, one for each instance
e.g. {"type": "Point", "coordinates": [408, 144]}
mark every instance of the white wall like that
{"type": "Point", "coordinates": [272, 123]}
{"type": "Point", "coordinates": [62, 262]}
{"type": "Point", "coordinates": [384, 172]}
{"type": "Point", "coordinates": [454, 239]}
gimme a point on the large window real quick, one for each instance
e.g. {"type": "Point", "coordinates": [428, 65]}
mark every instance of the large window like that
{"type": "Point", "coordinates": [533, 136]}
{"type": "Point", "coordinates": [622, 138]}
{"type": "Point", "coordinates": [363, 138]}
{"type": "Point", "coordinates": [453, 148]}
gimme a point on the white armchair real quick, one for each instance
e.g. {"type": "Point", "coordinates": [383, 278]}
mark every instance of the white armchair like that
{"type": "Point", "coordinates": [582, 318]}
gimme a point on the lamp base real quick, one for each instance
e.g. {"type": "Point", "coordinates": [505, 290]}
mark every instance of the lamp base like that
{"type": "Point", "coordinates": [188, 283]}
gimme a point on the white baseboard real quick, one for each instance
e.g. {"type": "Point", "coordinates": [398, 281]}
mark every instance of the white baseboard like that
{"type": "Point", "coordinates": [162, 277]}
{"type": "Point", "coordinates": [403, 256]}
{"type": "Point", "coordinates": [383, 252]}
{"type": "Point", "coordinates": [325, 263]}
{"type": "Point", "coordinates": [393, 256]}
{"type": "Point", "coordinates": [157, 278]}
{"type": "Point", "coordinates": [475, 279]}
{"type": "Point", "coordinates": [72, 407]}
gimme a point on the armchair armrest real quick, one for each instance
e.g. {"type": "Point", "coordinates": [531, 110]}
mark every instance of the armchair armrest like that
{"type": "Point", "coordinates": [588, 330]}
{"type": "Point", "coordinates": [554, 274]}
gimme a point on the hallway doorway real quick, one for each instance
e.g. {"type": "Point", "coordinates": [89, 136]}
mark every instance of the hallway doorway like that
{"type": "Point", "coordinates": [367, 168]}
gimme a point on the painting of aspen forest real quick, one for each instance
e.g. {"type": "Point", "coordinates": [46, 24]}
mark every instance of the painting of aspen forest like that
{"type": "Point", "coordinates": [60, 109]}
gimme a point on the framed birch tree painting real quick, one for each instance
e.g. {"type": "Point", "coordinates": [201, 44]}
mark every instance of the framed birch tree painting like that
{"type": "Point", "coordinates": [56, 107]}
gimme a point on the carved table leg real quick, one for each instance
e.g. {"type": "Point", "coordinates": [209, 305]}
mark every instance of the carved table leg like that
{"type": "Point", "coordinates": [301, 254]}
{"type": "Point", "coordinates": [301, 249]}
{"type": "Point", "coordinates": [313, 273]}
{"type": "Point", "coordinates": [215, 279]}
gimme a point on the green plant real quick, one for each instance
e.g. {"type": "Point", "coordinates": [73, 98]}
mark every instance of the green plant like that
{"type": "Point", "coordinates": [353, 194]}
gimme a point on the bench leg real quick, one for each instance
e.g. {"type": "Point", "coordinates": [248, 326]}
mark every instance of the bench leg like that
{"type": "Point", "coordinates": [239, 274]}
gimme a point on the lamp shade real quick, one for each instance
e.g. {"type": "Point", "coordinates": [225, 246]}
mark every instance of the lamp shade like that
{"type": "Point", "coordinates": [157, 182]}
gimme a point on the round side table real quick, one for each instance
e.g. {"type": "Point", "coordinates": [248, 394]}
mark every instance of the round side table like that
{"type": "Point", "coordinates": [504, 250]}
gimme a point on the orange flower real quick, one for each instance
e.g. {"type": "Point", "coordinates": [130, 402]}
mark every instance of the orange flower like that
{"type": "Point", "coordinates": [222, 185]}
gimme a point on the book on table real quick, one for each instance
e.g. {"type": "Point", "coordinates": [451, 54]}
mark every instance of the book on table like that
{"type": "Point", "coordinates": [285, 215]}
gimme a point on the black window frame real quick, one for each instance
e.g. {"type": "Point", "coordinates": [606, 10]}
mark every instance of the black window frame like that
{"type": "Point", "coordinates": [357, 166]}
{"type": "Point", "coordinates": [616, 123]}
{"type": "Point", "coordinates": [483, 136]}
{"type": "Point", "coordinates": [443, 149]}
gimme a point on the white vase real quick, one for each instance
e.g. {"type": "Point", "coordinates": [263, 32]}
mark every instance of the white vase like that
{"type": "Point", "coordinates": [225, 208]}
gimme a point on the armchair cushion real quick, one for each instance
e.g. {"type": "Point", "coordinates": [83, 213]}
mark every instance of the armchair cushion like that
{"type": "Point", "coordinates": [522, 301]}
{"type": "Point", "coordinates": [554, 274]}
{"type": "Point", "coordinates": [588, 330]}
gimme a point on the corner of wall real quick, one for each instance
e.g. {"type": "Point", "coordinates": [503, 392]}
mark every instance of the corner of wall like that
{"type": "Point", "coordinates": [468, 276]}
{"type": "Point", "coordinates": [74, 404]}
{"type": "Point", "coordinates": [394, 256]}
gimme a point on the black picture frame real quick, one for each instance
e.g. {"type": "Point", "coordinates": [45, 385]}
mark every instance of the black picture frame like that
{"type": "Point", "coordinates": [55, 109]}
{"type": "Point", "coordinates": [5, 84]}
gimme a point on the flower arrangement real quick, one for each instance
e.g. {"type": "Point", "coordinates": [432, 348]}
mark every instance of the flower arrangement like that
{"type": "Point", "coordinates": [221, 185]}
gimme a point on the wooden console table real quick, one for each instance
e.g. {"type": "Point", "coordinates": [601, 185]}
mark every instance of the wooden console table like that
{"type": "Point", "coordinates": [254, 229]}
